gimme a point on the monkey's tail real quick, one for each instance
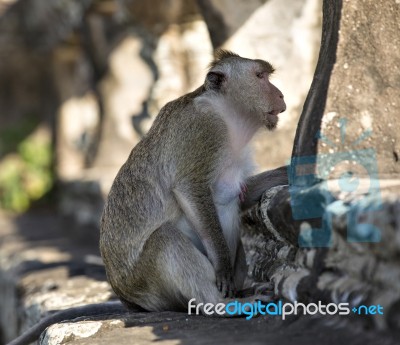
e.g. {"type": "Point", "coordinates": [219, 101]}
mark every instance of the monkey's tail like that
{"type": "Point", "coordinates": [34, 332]}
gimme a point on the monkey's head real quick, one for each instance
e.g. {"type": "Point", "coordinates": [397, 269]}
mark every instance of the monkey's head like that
{"type": "Point", "coordinates": [245, 83]}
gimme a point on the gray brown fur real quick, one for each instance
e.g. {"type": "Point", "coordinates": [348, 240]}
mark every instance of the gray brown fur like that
{"type": "Point", "coordinates": [165, 230]}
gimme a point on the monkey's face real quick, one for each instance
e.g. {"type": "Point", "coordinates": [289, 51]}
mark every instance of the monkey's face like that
{"type": "Point", "coordinates": [268, 98]}
{"type": "Point", "coordinates": [246, 84]}
{"type": "Point", "coordinates": [251, 88]}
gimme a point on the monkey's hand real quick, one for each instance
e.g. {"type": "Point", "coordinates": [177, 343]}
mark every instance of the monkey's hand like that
{"type": "Point", "coordinates": [224, 278]}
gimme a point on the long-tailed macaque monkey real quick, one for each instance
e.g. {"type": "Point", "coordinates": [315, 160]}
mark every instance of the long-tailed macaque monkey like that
{"type": "Point", "coordinates": [170, 226]}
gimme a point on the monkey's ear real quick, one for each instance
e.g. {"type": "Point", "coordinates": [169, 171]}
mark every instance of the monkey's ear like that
{"type": "Point", "coordinates": [214, 80]}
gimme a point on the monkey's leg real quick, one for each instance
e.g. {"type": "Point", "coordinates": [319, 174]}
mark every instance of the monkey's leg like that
{"type": "Point", "coordinates": [173, 272]}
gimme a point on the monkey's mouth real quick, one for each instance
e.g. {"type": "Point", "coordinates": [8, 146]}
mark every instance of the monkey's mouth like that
{"type": "Point", "coordinates": [274, 112]}
{"type": "Point", "coordinates": [271, 119]}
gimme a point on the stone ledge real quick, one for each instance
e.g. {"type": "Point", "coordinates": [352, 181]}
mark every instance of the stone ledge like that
{"type": "Point", "coordinates": [355, 261]}
{"type": "Point", "coordinates": [42, 270]}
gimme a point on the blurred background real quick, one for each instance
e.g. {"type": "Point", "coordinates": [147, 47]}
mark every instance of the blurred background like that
{"type": "Point", "coordinates": [82, 80]}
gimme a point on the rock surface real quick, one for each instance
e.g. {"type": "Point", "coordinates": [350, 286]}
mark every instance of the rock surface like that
{"type": "Point", "coordinates": [43, 270]}
{"type": "Point", "coordinates": [364, 89]}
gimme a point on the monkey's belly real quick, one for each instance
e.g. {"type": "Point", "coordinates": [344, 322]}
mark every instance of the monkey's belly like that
{"type": "Point", "coordinates": [229, 218]}
{"type": "Point", "coordinates": [226, 193]}
{"type": "Point", "coordinates": [226, 198]}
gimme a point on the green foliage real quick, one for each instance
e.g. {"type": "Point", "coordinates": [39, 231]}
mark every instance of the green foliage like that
{"type": "Point", "coordinates": [26, 175]}
{"type": "Point", "coordinates": [12, 135]}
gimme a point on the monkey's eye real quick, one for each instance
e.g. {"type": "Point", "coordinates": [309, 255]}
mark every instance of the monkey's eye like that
{"type": "Point", "coordinates": [260, 75]}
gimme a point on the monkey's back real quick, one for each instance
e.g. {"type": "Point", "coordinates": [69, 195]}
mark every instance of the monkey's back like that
{"type": "Point", "coordinates": [180, 145]}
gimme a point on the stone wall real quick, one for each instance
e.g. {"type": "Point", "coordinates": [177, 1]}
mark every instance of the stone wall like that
{"type": "Point", "coordinates": [101, 74]}
{"type": "Point", "coordinates": [364, 89]}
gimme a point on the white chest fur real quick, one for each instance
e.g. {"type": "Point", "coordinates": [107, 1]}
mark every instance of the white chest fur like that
{"type": "Point", "coordinates": [237, 168]}
{"type": "Point", "coordinates": [226, 193]}
{"type": "Point", "coordinates": [232, 177]}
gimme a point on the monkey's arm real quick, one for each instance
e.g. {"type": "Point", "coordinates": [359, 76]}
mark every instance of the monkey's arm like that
{"type": "Point", "coordinates": [258, 184]}
{"type": "Point", "coordinates": [34, 332]}
{"type": "Point", "coordinates": [197, 204]}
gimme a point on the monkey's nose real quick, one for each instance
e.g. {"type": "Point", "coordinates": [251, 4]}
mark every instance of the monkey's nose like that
{"type": "Point", "coordinates": [284, 108]}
